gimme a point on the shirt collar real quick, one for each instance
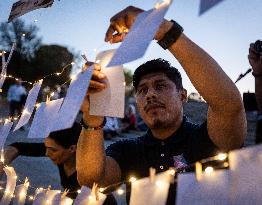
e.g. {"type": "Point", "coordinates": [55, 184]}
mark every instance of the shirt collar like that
{"type": "Point", "coordinates": [177, 136]}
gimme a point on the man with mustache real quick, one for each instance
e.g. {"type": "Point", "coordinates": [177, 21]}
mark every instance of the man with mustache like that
{"type": "Point", "coordinates": [171, 141]}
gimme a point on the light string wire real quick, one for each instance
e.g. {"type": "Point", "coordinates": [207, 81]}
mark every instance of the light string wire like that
{"type": "Point", "coordinates": [115, 187]}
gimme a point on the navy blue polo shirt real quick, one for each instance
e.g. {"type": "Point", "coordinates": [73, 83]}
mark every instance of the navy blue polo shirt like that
{"type": "Point", "coordinates": [188, 144]}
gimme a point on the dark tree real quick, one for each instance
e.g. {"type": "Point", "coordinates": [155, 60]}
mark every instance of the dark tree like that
{"type": "Point", "coordinates": [24, 35]}
{"type": "Point", "coordinates": [50, 59]}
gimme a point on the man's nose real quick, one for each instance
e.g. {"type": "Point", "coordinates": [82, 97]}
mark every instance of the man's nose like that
{"type": "Point", "coordinates": [151, 94]}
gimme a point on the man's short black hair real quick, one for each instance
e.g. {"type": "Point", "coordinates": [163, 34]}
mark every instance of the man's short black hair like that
{"type": "Point", "coordinates": [158, 66]}
{"type": "Point", "coordinates": [67, 137]}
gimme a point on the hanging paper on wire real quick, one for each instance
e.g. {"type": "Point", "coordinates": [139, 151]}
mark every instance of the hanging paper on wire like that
{"type": "Point", "coordinates": [73, 100]}
{"type": "Point", "coordinates": [140, 35]}
{"type": "Point", "coordinates": [5, 129]}
{"type": "Point", "coordinates": [105, 102]}
{"type": "Point", "coordinates": [29, 105]}
{"type": "Point", "coordinates": [22, 7]}
{"type": "Point", "coordinates": [205, 5]}
{"type": "Point", "coordinates": [44, 118]}
{"type": "Point", "coordinates": [5, 64]}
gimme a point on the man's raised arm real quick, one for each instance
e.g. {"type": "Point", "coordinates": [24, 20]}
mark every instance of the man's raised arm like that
{"type": "Point", "coordinates": [92, 165]}
{"type": "Point", "coordinates": [226, 116]}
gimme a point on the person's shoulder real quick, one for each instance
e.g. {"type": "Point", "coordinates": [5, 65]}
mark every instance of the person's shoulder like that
{"type": "Point", "coordinates": [192, 126]}
{"type": "Point", "coordinates": [127, 142]}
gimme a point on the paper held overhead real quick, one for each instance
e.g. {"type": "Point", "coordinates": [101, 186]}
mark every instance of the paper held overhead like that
{"type": "Point", "coordinates": [140, 35]}
{"type": "Point", "coordinates": [205, 5]}
{"type": "Point", "coordinates": [105, 102]}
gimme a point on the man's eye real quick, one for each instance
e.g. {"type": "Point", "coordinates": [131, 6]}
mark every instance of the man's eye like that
{"type": "Point", "coordinates": [141, 90]}
{"type": "Point", "coordinates": [161, 87]}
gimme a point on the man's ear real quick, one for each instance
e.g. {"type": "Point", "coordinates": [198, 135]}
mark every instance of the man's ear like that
{"type": "Point", "coordinates": [72, 148]}
{"type": "Point", "coordinates": [183, 94]}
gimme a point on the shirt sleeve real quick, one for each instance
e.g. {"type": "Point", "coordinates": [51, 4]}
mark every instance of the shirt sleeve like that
{"type": "Point", "coordinates": [30, 149]}
{"type": "Point", "coordinates": [201, 144]}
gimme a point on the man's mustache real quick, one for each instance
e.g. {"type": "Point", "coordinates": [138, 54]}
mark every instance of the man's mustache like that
{"type": "Point", "coordinates": [153, 104]}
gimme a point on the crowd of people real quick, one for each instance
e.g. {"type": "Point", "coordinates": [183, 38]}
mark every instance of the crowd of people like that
{"type": "Point", "coordinates": [160, 97]}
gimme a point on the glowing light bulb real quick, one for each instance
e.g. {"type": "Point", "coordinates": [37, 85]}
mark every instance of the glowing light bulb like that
{"type": "Point", "coordinates": [73, 77]}
{"type": "Point", "coordinates": [209, 170]}
{"type": "Point", "coordinates": [25, 112]}
{"type": "Point", "coordinates": [222, 156]}
{"type": "Point", "coordinates": [23, 34]}
{"type": "Point", "coordinates": [120, 191]}
{"type": "Point", "coordinates": [31, 198]}
{"type": "Point", "coordinates": [78, 191]}
{"type": "Point", "coordinates": [35, 20]}
{"type": "Point", "coordinates": [52, 94]}
{"type": "Point", "coordinates": [101, 189]}
{"type": "Point", "coordinates": [172, 172]}
{"type": "Point", "coordinates": [92, 198]}
{"type": "Point", "coordinates": [132, 179]}
{"type": "Point", "coordinates": [73, 63]}
{"type": "Point", "coordinates": [58, 74]}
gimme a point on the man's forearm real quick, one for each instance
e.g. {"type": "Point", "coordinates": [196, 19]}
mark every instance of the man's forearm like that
{"type": "Point", "coordinates": [90, 157]}
{"type": "Point", "coordinates": [206, 75]}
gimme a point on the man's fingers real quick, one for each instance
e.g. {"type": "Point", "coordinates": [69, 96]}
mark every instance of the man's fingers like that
{"type": "Point", "coordinates": [97, 85]}
{"type": "Point", "coordinates": [118, 38]}
{"type": "Point", "coordinates": [97, 75]}
{"type": "Point", "coordinates": [109, 33]}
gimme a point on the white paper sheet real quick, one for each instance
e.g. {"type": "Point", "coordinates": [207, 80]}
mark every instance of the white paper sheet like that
{"type": "Point", "coordinates": [22, 7]}
{"type": "Point", "coordinates": [46, 196]}
{"type": "Point", "coordinates": [145, 192]}
{"type": "Point", "coordinates": [73, 100]}
{"type": "Point", "coordinates": [5, 64]}
{"type": "Point", "coordinates": [44, 119]}
{"type": "Point", "coordinates": [5, 129]}
{"type": "Point", "coordinates": [84, 198]}
{"type": "Point", "coordinates": [10, 185]}
{"type": "Point", "coordinates": [246, 175]}
{"type": "Point", "coordinates": [20, 194]}
{"type": "Point", "coordinates": [140, 35]}
{"type": "Point", "coordinates": [213, 188]}
{"type": "Point", "coordinates": [29, 105]}
{"type": "Point", "coordinates": [205, 5]}
{"type": "Point", "coordinates": [111, 101]}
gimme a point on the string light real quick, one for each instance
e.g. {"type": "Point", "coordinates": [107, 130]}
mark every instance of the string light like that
{"type": "Point", "coordinates": [120, 191]}
{"type": "Point", "coordinates": [221, 156]}
{"type": "Point", "coordinates": [101, 189]}
{"type": "Point", "coordinates": [78, 191]}
{"type": "Point", "coordinates": [73, 77]}
{"type": "Point", "coordinates": [209, 170]}
{"type": "Point", "coordinates": [159, 183]}
{"type": "Point", "coordinates": [132, 179]}
{"type": "Point", "coordinates": [31, 198]}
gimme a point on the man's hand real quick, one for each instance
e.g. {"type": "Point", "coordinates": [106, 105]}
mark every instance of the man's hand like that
{"type": "Point", "coordinates": [255, 60]}
{"type": "Point", "coordinates": [121, 23]}
{"type": "Point", "coordinates": [97, 84]}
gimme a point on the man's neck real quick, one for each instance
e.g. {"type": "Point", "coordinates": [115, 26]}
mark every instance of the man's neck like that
{"type": "Point", "coordinates": [167, 131]}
